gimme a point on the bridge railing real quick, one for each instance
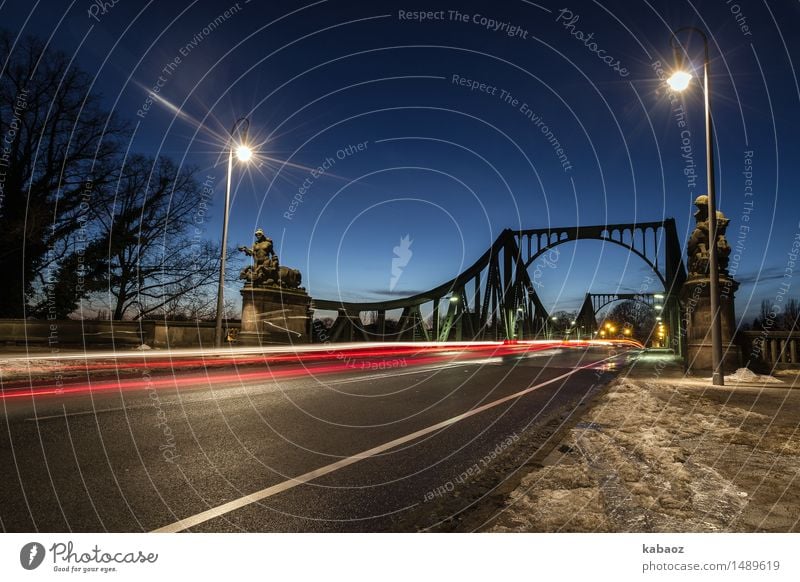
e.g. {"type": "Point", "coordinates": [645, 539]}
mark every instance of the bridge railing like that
{"type": "Point", "coordinates": [61, 334]}
{"type": "Point", "coordinates": [775, 349]}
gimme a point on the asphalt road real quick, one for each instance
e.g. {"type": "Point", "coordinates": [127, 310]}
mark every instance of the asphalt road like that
{"type": "Point", "coordinates": [362, 447]}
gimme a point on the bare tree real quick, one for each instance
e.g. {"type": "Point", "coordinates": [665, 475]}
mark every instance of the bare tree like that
{"type": "Point", "coordinates": [791, 313]}
{"type": "Point", "coordinates": [563, 320]}
{"type": "Point", "coordinates": [153, 257]}
{"type": "Point", "coordinates": [57, 144]}
{"type": "Point", "coordinates": [636, 316]}
{"type": "Point", "coordinates": [763, 319]}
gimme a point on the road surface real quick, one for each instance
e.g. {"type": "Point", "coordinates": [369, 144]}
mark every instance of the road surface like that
{"type": "Point", "coordinates": [356, 444]}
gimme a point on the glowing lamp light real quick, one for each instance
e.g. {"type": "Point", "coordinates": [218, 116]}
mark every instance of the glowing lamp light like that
{"type": "Point", "coordinates": [658, 296]}
{"type": "Point", "coordinates": [679, 80]}
{"type": "Point", "coordinates": [658, 307]}
{"type": "Point", "coordinates": [244, 153]}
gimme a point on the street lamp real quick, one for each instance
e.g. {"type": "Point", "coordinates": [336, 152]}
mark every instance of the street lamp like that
{"type": "Point", "coordinates": [243, 154]}
{"type": "Point", "coordinates": [680, 81]}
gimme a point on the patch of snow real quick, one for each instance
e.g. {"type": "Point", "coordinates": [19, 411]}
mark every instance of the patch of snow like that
{"type": "Point", "coordinates": [747, 375]}
{"type": "Point", "coordinates": [654, 466]}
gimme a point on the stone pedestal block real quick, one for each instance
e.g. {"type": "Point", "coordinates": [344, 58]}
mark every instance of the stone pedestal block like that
{"type": "Point", "coordinates": [697, 316]}
{"type": "Point", "coordinates": [273, 315]}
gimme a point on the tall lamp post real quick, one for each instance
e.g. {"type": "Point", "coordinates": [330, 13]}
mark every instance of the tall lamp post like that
{"type": "Point", "coordinates": [243, 153]}
{"type": "Point", "coordinates": [678, 82]}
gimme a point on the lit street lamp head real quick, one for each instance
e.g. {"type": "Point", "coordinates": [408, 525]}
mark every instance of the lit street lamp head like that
{"type": "Point", "coordinates": [244, 153]}
{"type": "Point", "coordinates": [679, 80]}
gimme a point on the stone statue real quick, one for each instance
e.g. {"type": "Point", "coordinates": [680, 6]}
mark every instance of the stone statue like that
{"type": "Point", "coordinates": [266, 270]}
{"type": "Point", "coordinates": [698, 246]}
{"type": "Point", "coordinates": [265, 261]}
{"type": "Point", "coordinates": [723, 248]}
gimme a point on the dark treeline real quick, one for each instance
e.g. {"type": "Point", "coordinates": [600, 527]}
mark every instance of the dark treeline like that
{"type": "Point", "coordinates": [773, 317]}
{"type": "Point", "coordinates": [87, 227]}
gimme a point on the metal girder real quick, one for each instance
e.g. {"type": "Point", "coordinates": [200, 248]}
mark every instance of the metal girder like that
{"type": "Point", "coordinates": [631, 236]}
{"type": "Point", "coordinates": [347, 327]}
{"type": "Point", "coordinates": [503, 303]}
{"type": "Point", "coordinates": [600, 300]}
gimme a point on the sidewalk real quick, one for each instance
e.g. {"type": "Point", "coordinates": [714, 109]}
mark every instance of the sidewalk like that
{"type": "Point", "coordinates": [660, 452]}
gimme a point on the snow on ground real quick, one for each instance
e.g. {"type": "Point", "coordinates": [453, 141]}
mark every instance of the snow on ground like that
{"type": "Point", "coordinates": [743, 375]}
{"type": "Point", "coordinates": [650, 456]}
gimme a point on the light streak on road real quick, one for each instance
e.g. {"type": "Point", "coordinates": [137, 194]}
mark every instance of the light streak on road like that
{"type": "Point", "coordinates": [278, 364]}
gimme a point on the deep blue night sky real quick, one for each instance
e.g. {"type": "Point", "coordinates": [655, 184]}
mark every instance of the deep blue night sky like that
{"type": "Point", "coordinates": [449, 166]}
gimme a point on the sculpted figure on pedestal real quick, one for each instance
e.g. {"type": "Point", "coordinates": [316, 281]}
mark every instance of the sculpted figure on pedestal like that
{"type": "Point", "coordinates": [266, 270]}
{"type": "Point", "coordinates": [697, 248]}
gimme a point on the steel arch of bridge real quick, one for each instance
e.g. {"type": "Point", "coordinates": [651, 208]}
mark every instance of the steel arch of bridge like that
{"type": "Point", "coordinates": [600, 300]}
{"type": "Point", "coordinates": [495, 297]}
{"type": "Point", "coordinates": [594, 302]}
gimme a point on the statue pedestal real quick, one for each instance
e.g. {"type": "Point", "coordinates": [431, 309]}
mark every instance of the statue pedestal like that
{"type": "Point", "coordinates": [696, 307]}
{"type": "Point", "coordinates": [273, 315]}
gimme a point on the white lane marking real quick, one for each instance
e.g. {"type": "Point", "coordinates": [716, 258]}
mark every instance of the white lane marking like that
{"type": "Point", "coordinates": [220, 510]}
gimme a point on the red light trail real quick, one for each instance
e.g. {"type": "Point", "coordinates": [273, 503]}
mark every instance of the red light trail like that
{"type": "Point", "coordinates": [311, 363]}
